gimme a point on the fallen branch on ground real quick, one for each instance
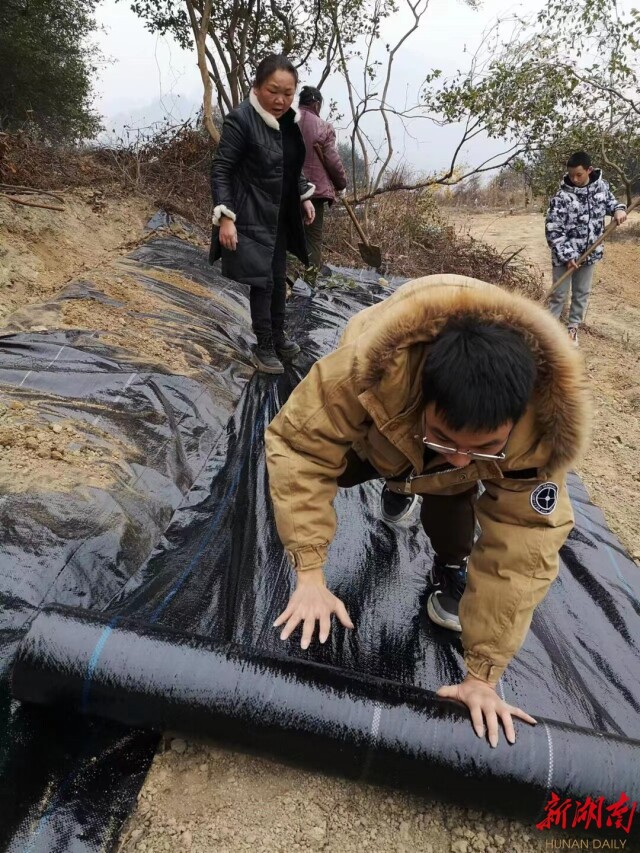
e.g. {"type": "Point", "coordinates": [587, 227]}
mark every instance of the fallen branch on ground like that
{"type": "Point", "coordinates": [13, 188]}
{"type": "Point", "coordinates": [17, 200]}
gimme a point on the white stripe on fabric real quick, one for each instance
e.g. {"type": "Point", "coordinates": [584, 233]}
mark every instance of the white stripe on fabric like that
{"type": "Point", "coordinates": [27, 375]}
{"type": "Point", "coordinates": [550, 771]}
{"type": "Point", "coordinates": [375, 722]}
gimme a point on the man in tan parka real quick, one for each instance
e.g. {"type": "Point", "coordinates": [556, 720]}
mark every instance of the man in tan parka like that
{"type": "Point", "coordinates": [449, 383]}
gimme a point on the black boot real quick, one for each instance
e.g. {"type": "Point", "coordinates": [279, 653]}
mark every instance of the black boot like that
{"type": "Point", "coordinates": [264, 355]}
{"type": "Point", "coordinates": [284, 346]}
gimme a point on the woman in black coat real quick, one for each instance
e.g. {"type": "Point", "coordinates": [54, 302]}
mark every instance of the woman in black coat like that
{"type": "Point", "coordinates": [260, 197]}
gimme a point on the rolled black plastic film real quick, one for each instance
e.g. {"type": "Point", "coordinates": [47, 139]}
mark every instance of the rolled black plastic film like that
{"type": "Point", "coordinates": [364, 728]}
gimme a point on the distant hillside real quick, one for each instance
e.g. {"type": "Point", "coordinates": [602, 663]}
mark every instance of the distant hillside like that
{"type": "Point", "coordinates": [173, 109]}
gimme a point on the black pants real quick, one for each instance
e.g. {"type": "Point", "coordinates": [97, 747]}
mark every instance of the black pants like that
{"type": "Point", "coordinates": [448, 520]}
{"type": "Point", "coordinates": [268, 304]}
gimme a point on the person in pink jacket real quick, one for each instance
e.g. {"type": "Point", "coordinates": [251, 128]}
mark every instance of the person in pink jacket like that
{"type": "Point", "coordinates": [322, 166]}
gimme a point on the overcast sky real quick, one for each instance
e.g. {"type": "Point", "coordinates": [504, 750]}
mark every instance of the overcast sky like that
{"type": "Point", "coordinates": [148, 77]}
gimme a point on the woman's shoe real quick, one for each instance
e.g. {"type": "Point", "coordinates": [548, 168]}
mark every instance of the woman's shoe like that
{"type": "Point", "coordinates": [264, 356]}
{"type": "Point", "coordinates": [285, 348]}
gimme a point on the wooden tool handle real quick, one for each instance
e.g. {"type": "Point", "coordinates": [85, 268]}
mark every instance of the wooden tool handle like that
{"type": "Point", "coordinates": [354, 218]}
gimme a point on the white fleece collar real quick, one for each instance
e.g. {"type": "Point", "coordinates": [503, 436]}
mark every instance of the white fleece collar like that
{"type": "Point", "coordinates": [266, 117]}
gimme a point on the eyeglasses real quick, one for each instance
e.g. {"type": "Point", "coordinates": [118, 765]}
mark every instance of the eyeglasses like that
{"type": "Point", "coordinates": [453, 451]}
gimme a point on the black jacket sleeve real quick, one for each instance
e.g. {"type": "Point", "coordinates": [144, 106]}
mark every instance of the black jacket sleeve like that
{"type": "Point", "coordinates": [231, 149]}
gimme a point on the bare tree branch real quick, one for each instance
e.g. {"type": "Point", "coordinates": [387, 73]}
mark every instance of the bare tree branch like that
{"type": "Point", "coordinates": [244, 36]}
{"type": "Point", "coordinates": [589, 81]}
{"type": "Point", "coordinates": [223, 97]}
{"type": "Point", "coordinates": [418, 9]}
{"type": "Point", "coordinates": [256, 33]}
{"type": "Point", "coordinates": [17, 200]}
{"type": "Point", "coordinates": [200, 33]}
{"type": "Point", "coordinates": [236, 65]}
{"type": "Point", "coordinates": [288, 41]}
{"type": "Point", "coordinates": [445, 180]}
{"type": "Point", "coordinates": [332, 49]}
{"type": "Point", "coordinates": [618, 170]}
{"type": "Point", "coordinates": [314, 42]}
{"type": "Point", "coordinates": [356, 133]}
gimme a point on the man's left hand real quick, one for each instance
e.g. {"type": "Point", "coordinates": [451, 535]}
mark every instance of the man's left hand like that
{"type": "Point", "coordinates": [308, 212]}
{"type": "Point", "coordinates": [620, 216]}
{"type": "Point", "coordinates": [484, 704]}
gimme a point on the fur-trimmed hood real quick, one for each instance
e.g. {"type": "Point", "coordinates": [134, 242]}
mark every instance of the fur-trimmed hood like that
{"type": "Point", "coordinates": [391, 338]}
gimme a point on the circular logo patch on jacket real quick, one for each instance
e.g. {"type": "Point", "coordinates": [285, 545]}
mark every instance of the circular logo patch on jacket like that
{"type": "Point", "coordinates": [544, 498]}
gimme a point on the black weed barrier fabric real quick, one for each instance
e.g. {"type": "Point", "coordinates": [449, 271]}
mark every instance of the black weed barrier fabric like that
{"type": "Point", "coordinates": [124, 618]}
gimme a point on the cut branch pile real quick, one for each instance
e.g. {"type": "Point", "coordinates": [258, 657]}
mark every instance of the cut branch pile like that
{"type": "Point", "coordinates": [172, 167]}
{"type": "Point", "coordinates": [416, 241]}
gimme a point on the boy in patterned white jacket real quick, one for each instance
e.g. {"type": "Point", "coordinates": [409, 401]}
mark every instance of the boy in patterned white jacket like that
{"type": "Point", "coordinates": [575, 220]}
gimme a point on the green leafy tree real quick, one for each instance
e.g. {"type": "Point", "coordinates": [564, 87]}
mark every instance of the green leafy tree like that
{"type": "Point", "coordinates": [347, 36]}
{"type": "Point", "coordinates": [237, 34]}
{"type": "Point", "coordinates": [47, 67]}
{"type": "Point", "coordinates": [617, 153]}
{"type": "Point", "coordinates": [569, 75]}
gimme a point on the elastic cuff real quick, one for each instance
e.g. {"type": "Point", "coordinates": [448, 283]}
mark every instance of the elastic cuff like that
{"type": "Point", "coordinates": [309, 192]}
{"type": "Point", "coordinates": [221, 210]}
{"type": "Point", "coordinates": [307, 558]}
{"type": "Point", "coordinates": [483, 668]}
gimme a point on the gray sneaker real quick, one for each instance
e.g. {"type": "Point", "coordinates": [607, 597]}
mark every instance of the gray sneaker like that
{"type": "Point", "coordinates": [449, 581]}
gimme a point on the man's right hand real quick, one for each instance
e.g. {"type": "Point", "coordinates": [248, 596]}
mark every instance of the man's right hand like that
{"type": "Point", "coordinates": [572, 265]}
{"type": "Point", "coordinates": [228, 234]}
{"type": "Point", "coordinates": [311, 602]}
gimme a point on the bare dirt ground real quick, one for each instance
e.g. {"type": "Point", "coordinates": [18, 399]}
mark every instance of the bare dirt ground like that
{"type": "Point", "coordinates": [203, 797]}
{"type": "Point", "coordinates": [40, 250]}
